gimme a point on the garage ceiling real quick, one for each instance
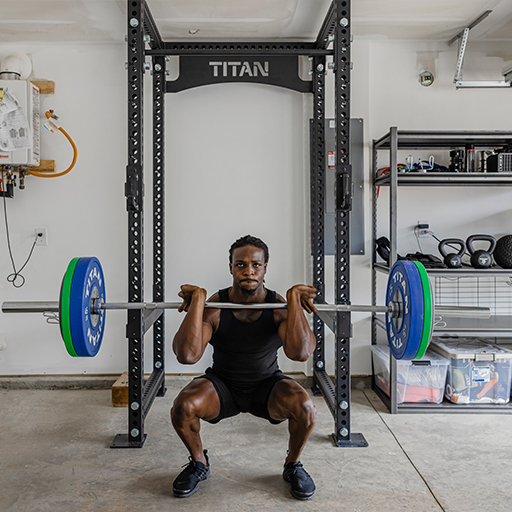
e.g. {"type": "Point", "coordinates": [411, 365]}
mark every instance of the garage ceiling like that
{"type": "Point", "coordinates": [104, 20]}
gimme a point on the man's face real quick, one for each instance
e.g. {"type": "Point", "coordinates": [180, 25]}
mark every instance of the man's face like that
{"type": "Point", "coordinates": [248, 268]}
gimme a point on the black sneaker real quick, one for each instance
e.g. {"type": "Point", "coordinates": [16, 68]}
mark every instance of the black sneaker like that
{"type": "Point", "coordinates": [187, 481]}
{"type": "Point", "coordinates": [303, 487]}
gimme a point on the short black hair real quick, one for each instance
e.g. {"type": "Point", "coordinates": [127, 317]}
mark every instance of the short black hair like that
{"type": "Point", "coordinates": [248, 240]}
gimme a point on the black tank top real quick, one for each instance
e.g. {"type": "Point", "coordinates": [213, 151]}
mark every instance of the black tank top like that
{"type": "Point", "coordinates": [245, 352]}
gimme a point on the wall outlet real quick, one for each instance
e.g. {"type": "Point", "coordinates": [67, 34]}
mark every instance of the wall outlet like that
{"type": "Point", "coordinates": [42, 236]}
{"type": "Point", "coordinates": [421, 229]}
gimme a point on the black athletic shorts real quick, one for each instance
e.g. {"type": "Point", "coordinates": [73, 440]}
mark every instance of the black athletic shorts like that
{"type": "Point", "coordinates": [236, 399]}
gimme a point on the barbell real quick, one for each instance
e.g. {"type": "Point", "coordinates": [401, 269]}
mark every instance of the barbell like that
{"type": "Point", "coordinates": [410, 311]}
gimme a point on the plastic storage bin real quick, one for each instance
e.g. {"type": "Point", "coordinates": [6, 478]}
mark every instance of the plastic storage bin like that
{"type": "Point", "coordinates": [417, 381]}
{"type": "Point", "coordinates": [479, 372]}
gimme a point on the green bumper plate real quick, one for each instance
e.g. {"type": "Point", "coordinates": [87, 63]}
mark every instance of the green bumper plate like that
{"type": "Point", "coordinates": [64, 302]}
{"type": "Point", "coordinates": [428, 317]}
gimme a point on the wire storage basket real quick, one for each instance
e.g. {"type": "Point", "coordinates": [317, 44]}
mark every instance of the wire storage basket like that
{"type": "Point", "coordinates": [494, 292]}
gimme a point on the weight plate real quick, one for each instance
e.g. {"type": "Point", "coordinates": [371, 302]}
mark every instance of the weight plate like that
{"type": "Point", "coordinates": [404, 332]}
{"type": "Point", "coordinates": [64, 298]}
{"type": "Point", "coordinates": [428, 320]}
{"type": "Point", "coordinates": [86, 327]}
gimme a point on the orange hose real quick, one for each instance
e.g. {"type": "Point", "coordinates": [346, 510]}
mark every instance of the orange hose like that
{"type": "Point", "coordinates": [75, 155]}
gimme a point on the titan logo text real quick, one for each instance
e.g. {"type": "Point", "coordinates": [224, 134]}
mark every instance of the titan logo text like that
{"type": "Point", "coordinates": [238, 69]}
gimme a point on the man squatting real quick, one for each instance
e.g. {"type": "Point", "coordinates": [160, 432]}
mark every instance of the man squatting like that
{"type": "Point", "coordinates": [245, 376]}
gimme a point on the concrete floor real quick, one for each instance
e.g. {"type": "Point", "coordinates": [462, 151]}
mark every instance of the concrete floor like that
{"type": "Point", "coordinates": [55, 456]}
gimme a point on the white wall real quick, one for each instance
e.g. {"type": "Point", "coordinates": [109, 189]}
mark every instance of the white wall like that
{"type": "Point", "coordinates": [451, 212]}
{"type": "Point", "coordinates": [235, 166]}
{"type": "Point", "coordinates": [83, 211]}
{"type": "Point", "coordinates": [396, 99]}
{"type": "Point", "coordinates": [237, 163]}
{"type": "Point", "coordinates": [386, 92]}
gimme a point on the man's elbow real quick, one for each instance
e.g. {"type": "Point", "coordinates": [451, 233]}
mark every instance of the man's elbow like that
{"type": "Point", "coordinates": [187, 357]}
{"type": "Point", "coordinates": [300, 357]}
{"type": "Point", "coordinates": [300, 352]}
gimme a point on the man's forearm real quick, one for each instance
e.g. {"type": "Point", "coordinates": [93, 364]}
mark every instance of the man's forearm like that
{"type": "Point", "coordinates": [188, 342]}
{"type": "Point", "coordinates": [299, 341]}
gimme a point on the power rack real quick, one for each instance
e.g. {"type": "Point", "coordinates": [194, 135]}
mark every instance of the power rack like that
{"type": "Point", "coordinates": [272, 63]}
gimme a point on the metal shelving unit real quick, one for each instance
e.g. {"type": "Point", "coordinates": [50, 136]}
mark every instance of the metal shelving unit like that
{"type": "Point", "coordinates": [450, 178]}
{"type": "Point", "coordinates": [496, 326]}
{"type": "Point", "coordinates": [443, 272]}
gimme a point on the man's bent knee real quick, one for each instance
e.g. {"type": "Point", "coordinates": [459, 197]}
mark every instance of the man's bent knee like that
{"type": "Point", "coordinates": [182, 410]}
{"type": "Point", "coordinates": [198, 400]}
{"type": "Point", "coordinates": [306, 411]}
{"type": "Point", "coordinates": [291, 401]}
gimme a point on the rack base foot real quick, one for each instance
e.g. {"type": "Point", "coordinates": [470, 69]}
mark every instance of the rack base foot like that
{"type": "Point", "coordinates": [355, 441]}
{"type": "Point", "coordinates": [122, 441]}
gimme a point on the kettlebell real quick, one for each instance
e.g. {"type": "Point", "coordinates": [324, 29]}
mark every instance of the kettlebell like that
{"type": "Point", "coordinates": [383, 248]}
{"type": "Point", "coordinates": [480, 258]}
{"type": "Point", "coordinates": [452, 260]}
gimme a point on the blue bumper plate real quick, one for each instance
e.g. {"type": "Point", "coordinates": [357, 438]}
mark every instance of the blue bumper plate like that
{"type": "Point", "coordinates": [86, 327]}
{"type": "Point", "coordinates": [405, 332]}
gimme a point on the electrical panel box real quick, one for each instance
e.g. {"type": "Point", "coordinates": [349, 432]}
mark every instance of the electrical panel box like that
{"type": "Point", "coordinates": [357, 237]}
{"type": "Point", "coordinates": [27, 95]}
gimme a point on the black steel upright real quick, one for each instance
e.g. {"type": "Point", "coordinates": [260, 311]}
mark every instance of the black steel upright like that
{"type": "Point", "coordinates": [159, 214]}
{"type": "Point", "coordinates": [343, 435]}
{"type": "Point", "coordinates": [271, 63]}
{"type": "Point", "coordinates": [134, 191]}
{"type": "Point", "coordinates": [318, 204]}
{"type": "Point", "coordinates": [337, 395]}
{"type": "Point", "coordinates": [322, 383]}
